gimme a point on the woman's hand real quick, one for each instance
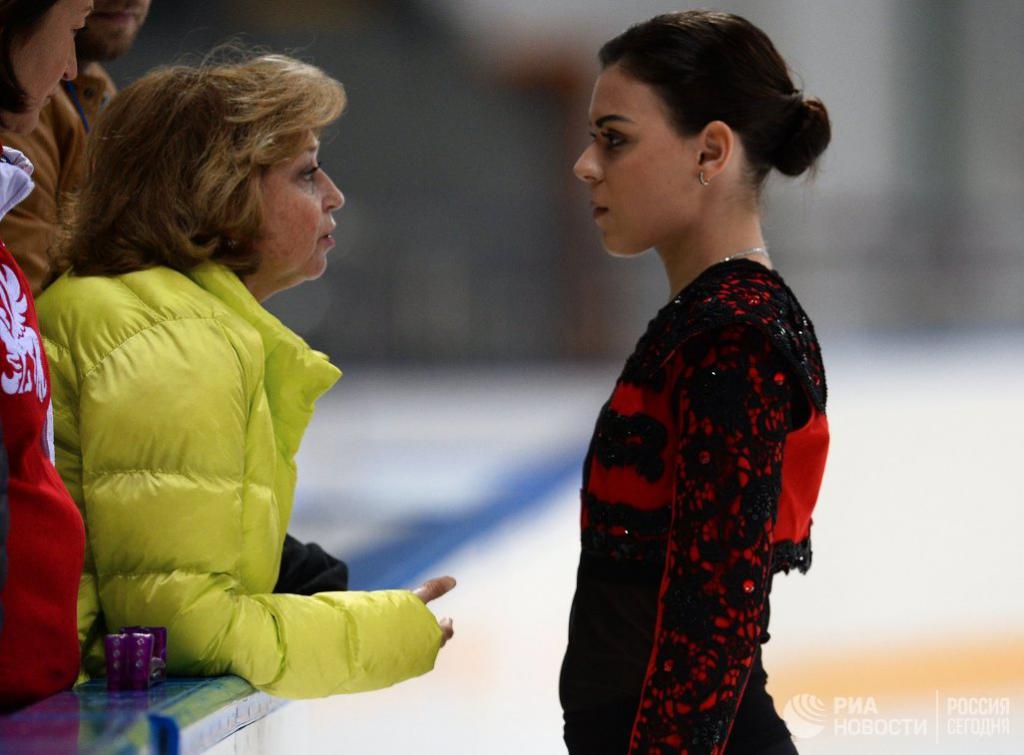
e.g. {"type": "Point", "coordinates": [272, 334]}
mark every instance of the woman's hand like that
{"type": "Point", "coordinates": [431, 590]}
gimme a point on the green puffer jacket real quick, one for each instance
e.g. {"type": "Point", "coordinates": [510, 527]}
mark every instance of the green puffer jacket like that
{"type": "Point", "coordinates": [179, 404]}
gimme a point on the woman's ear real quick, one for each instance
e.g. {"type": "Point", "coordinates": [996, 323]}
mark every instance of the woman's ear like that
{"type": "Point", "coordinates": [715, 145]}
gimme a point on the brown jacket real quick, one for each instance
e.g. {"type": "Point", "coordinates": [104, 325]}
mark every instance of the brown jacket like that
{"type": "Point", "coordinates": [57, 151]}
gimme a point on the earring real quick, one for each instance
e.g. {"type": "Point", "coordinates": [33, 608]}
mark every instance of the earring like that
{"type": "Point", "coordinates": [703, 181]}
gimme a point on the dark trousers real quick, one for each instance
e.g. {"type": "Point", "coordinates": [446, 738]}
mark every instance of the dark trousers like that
{"type": "Point", "coordinates": [757, 730]}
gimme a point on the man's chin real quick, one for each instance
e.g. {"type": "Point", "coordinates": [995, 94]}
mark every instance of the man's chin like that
{"type": "Point", "coordinates": [103, 49]}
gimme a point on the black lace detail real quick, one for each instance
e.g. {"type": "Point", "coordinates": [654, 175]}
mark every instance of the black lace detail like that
{"type": "Point", "coordinates": [788, 555]}
{"type": "Point", "coordinates": [718, 564]}
{"type": "Point", "coordinates": [635, 440]}
{"type": "Point", "coordinates": [685, 609]}
{"type": "Point", "coordinates": [709, 732]}
{"type": "Point", "coordinates": [739, 291]}
{"type": "Point", "coordinates": [624, 549]}
{"type": "Point", "coordinates": [652, 523]}
{"type": "Point", "coordinates": [625, 533]}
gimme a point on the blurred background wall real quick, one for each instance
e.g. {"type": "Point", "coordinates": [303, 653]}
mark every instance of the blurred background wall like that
{"type": "Point", "coordinates": [466, 238]}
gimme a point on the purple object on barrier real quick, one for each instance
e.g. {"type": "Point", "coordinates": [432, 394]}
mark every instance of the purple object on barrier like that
{"type": "Point", "coordinates": [140, 659]}
{"type": "Point", "coordinates": [117, 656]}
{"type": "Point", "coordinates": [136, 658]}
{"type": "Point", "coordinates": [158, 666]}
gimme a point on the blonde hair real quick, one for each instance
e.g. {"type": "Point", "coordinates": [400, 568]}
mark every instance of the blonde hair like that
{"type": "Point", "coordinates": [174, 163]}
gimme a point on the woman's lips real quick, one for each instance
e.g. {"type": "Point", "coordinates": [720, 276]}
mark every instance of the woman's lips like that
{"type": "Point", "coordinates": [599, 212]}
{"type": "Point", "coordinates": [327, 241]}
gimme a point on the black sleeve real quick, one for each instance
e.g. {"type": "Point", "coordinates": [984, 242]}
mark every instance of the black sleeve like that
{"type": "Point", "coordinates": [306, 570]}
{"type": "Point", "coordinates": [733, 415]}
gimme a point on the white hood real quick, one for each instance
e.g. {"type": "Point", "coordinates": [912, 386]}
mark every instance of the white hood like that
{"type": "Point", "coordinates": [15, 179]}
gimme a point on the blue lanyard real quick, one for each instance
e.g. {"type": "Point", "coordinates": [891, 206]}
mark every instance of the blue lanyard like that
{"type": "Point", "coordinates": [69, 87]}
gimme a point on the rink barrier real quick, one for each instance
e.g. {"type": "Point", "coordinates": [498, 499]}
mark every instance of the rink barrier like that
{"type": "Point", "coordinates": [179, 717]}
{"type": "Point", "coordinates": [190, 715]}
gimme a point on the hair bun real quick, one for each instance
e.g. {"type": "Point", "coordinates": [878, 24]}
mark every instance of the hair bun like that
{"type": "Point", "coordinates": [810, 135]}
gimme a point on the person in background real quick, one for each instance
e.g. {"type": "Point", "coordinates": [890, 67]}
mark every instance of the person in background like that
{"type": "Point", "coordinates": [56, 146]}
{"type": "Point", "coordinates": [183, 401]}
{"type": "Point", "coordinates": [45, 539]}
{"type": "Point", "coordinates": [707, 459]}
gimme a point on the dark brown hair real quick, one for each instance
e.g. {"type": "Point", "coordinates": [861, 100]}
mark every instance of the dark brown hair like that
{"type": "Point", "coordinates": [174, 162]}
{"type": "Point", "coordinates": [17, 18]}
{"type": "Point", "coordinates": [708, 66]}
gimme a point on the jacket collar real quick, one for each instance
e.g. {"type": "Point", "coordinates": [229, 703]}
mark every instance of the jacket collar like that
{"type": "Point", "coordinates": [295, 375]}
{"type": "Point", "coordinates": [15, 179]}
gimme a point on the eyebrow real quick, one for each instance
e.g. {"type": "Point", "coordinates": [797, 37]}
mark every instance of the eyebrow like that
{"type": "Point", "coordinates": [610, 118]}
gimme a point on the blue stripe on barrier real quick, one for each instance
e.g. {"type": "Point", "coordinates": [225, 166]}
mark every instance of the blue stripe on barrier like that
{"type": "Point", "coordinates": [164, 735]}
{"type": "Point", "coordinates": [426, 541]}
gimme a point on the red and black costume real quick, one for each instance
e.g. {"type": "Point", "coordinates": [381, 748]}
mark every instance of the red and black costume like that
{"type": "Point", "coordinates": [698, 487]}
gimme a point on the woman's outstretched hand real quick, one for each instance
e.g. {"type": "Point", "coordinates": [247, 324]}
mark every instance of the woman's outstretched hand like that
{"type": "Point", "coordinates": [431, 590]}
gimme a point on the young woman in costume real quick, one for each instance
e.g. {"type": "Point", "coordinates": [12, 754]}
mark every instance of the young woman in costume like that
{"type": "Point", "coordinates": [706, 461]}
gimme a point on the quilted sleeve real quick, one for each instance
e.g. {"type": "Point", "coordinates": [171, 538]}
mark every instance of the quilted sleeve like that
{"type": "Point", "coordinates": [732, 396]}
{"type": "Point", "coordinates": [176, 484]}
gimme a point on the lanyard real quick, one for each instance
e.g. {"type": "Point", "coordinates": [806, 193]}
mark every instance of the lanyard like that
{"type": "Point", "coordinates": [69, 87]}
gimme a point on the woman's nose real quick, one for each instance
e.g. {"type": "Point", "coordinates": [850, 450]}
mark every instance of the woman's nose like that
{"type": "Point", "coordinates": [71, 68]}
{"type": "Point", "coordinates": [333, 198]}
{"type": "Point", "coordinates": [586, 168]}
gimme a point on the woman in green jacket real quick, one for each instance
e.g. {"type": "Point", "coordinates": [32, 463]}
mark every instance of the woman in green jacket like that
{"type": "Point", "coordinates": [180, 401]}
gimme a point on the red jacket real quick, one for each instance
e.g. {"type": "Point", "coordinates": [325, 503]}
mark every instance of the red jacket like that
{"type": "Point", "coordinates": [45, 545]}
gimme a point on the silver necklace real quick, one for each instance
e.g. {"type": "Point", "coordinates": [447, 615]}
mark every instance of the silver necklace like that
{"type": "Point", "coordinates": [747, 253]}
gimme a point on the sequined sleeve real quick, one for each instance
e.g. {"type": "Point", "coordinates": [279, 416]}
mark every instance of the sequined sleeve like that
{"type": "Point", "coordinates": [732, 396]}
